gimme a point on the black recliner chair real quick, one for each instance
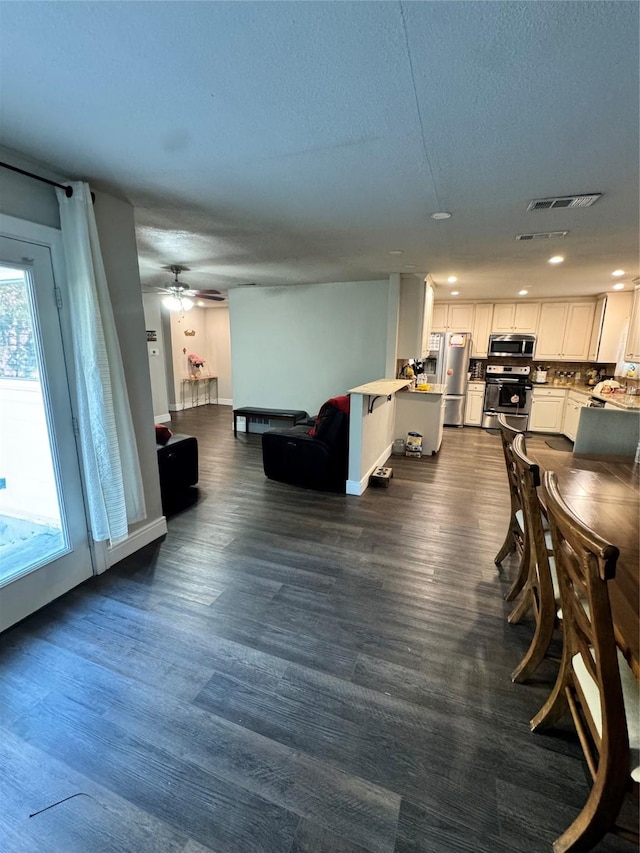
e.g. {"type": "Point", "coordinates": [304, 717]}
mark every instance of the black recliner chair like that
{"type": "Point", "coordinates": [314, 458]}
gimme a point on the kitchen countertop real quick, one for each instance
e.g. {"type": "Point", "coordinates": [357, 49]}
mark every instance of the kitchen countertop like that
{"type": "Point", "coordinates": [621, 401]}
{"type": "Point", "coordinates": [628, 402]}
{"type": "Point", "coordinates": [381, 387]}
{"type": "Point", "coordinates": [437, 390]}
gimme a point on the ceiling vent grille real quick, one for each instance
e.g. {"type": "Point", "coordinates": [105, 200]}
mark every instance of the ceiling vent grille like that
{"type": "Point", "coordinates": [542, 235]}
{"type": "Point", "coordinates": [564, 201]}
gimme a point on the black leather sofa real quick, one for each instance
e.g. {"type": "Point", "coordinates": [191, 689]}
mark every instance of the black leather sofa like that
{"type": "Point", "coordinates": [315, 458]}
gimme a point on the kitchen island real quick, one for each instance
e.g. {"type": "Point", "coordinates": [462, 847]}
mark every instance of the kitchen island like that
{"type": "Point", "coordinates": [423, 412]}
{"type": "Point", "coordinates": [380, 412]}
{"type": "Point", "coordinates": [371, 429]}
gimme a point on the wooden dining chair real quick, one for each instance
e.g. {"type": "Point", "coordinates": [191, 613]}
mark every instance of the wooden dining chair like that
{"type": "Point", "coordinates": [540, 593]}
{"type": "Point", "coordinates": [594, 682]}
{"type": "Point", "coordinates": [516, 539]}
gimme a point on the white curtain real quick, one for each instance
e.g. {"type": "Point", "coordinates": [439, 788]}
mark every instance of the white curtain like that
{"type": "Point", "coordinates": [108, 445]}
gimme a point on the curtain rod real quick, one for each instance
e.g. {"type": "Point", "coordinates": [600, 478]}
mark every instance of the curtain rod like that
{"type": "Point", "coordinates": [68, 190]}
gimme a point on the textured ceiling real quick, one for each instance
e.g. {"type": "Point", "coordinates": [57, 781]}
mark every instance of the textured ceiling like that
{"type": "Point", "coordinates": [289, 142]}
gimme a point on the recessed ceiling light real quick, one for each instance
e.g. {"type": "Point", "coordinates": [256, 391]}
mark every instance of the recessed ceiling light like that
{"type": "Point", "coordinates": [522, 292]}
{"type": "Point", "coordinates": [618, 286]}
{"type": "Point", "coordinates": [455, 292]}
{"type": "Point", "coordinates": [617, 273]}
{"type": "Point", "coordinates": [200, 304]}
{"type": "Point", "coordinates": [452, 279]}
{"type": "Point", "coordinates": [556, 259]}
{"type": "Point", "coordinates": [396, 252]}
{"type": "Point", "coordinates": [441, 214]}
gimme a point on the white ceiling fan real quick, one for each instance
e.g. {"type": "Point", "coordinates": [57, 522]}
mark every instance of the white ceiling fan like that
{"type": "Point", "coordinates": [180, 297]}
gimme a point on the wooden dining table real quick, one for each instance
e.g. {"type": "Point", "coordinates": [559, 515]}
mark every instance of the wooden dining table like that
{"type": "Point", "coordinates": [604, 493]}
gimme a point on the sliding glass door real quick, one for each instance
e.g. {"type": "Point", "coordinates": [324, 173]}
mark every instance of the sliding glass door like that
{"type": "Point", "coordinates": [44, 548]}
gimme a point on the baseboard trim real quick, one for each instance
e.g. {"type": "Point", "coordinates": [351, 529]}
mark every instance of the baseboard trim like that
{"type": "Point", "coordinates": [149, 533]}
{"type": "Point", "coordinates": [222, 401]}
{"type": "Point", "coordinates": [162, 419]}
{"type": "Point", "coordinates": [359, 487]}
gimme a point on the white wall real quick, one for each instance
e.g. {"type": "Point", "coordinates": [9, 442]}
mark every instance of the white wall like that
{"type": "Point", "coordinates": [219, 345]}
{"type": "Point", "coordinates": [153, 321]}
{"type": "Point", "coordinates": [294, 347]}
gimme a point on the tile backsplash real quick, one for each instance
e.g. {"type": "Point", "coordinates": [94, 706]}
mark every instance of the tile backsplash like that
{"type": "Point", "coordinates": [477, 367]}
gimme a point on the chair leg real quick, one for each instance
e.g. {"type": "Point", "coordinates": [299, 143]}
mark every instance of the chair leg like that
{"type": "Point", "coordinates": [556, 704]}
{"type": "Point", "coordinates": [521, 609]}
{"type": "Point", "coordinates": [536, 651]}
{"type": "Point", "coordinates": [508, 546]}
{"type": "Point", "coordinates": [599, 813]}
{"type": "Point", "coordinates": [521, 578]}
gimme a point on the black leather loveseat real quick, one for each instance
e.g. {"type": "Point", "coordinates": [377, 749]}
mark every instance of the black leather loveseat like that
{"type": "Point", "coordinates": [315, 458]}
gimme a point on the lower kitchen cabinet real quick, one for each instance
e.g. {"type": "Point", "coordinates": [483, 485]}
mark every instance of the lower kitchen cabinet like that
{"type": "Point", "coordinates": [547, 408]}
{"type": "Point", "coordinates": [474, 404]}
{"type": "Point", "coordinates": [574, 405]}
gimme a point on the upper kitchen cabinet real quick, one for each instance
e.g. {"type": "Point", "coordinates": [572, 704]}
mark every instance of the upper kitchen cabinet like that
{"type": "Point", "coordinates": [415, 317]}
{"type": "Point", "coordinates": [515, 317]}
{"type": "Point", "coordinates": [452, 317]}
{"type": "Point", "coordinates": [632, 349]}
{"type": "Point", "coordinates": [564, 331]}
{"type": "Point", "coordinates": [610, 322]}
{"type": "Point", "coordinates": [481, 330]}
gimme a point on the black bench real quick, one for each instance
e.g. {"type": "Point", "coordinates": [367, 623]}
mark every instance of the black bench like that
{"type": "Point", "coordinates": [293, 415]}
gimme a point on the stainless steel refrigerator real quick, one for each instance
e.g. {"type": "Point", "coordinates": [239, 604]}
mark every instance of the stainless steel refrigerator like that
{"type": "Point", "coordinates": [451, 352]}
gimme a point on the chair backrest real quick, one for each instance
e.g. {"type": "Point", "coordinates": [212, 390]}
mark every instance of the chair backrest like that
{"type": "Point", "coordinates": [584, 564]}
{"type": "Point", "coordinates": [528, 475]}
{"type": "Point", "coordinates": [507, 435]}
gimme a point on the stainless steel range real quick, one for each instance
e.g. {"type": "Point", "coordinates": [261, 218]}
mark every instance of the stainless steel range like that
{"type": "Point", "coordinates": [508, 391]}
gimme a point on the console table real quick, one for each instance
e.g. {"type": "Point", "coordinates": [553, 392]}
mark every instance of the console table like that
{"type": "Point", "coordinates": [199, 386]}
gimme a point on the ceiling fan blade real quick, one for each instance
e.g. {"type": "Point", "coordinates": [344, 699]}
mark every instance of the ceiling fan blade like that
{"type": "Point", "coordinates": [215, 295]}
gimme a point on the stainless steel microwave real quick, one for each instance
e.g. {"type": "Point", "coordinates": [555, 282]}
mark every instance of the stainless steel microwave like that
{"type": "Point", "coordinates": [512, 346]}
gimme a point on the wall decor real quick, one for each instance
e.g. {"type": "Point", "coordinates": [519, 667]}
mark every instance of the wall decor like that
{"type": "Point", "coordinates": [189, 332]}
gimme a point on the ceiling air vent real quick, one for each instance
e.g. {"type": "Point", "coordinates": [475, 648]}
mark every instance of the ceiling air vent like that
{"type": "Point", "coordinates": [564, 201]}
{"type": "Point", "coordinates": [542, 235]}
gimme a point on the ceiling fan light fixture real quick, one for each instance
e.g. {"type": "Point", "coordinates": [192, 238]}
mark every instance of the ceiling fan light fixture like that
{"type": "Point", "coordinates": [171, 302]}
{"type": "Point", "coordinates": [178, 303]}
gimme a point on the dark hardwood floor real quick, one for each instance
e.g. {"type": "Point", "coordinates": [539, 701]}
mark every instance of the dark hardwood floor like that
{"type": "Point", "coordinates": [291, 671]}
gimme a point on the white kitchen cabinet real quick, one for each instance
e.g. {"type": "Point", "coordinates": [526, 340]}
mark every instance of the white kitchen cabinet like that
{"type": "Point", "coordinates": [632, 349]}
{"type": "Point", "coordinates": [415, 317]}
{"type": "Point", "coordinates": [574, 405]}
{"type": "Point", "coordinates": [511, 317]}
{"type": "Point", "coordinates": [481, 329]}
{"type": "Point", "coordinates": [452, 317]}
{"type": "Point", "coordinates": [564, 331]}
{"type": "Point", "coordinates": [611, 318]}
{"type": "Point", "coordinates": [547, 407]}
{"type": "Point", "coordinates": [474, 404]}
